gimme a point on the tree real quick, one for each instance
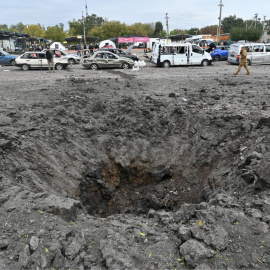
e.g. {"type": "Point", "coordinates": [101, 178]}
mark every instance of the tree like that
{"type": "Point", "coordinates": [4, 27]}
{"type": "Point", "coordinates": [109, 30]}
{"type": "Point", "coordinates": [158, 28]}
{"type": "Point", "coordinates": [177, 32]}
{"type": "Point", "coordinates": [193, 31]}
{"type": "Point", "coordinates": [34, 30]}
{"type": "Point", "coordinates": [18, 28]}
{"type": "Point", "coordinates": [56, 33]}
{"type": "Point", "coordinates": [239, 33]}
{"type": "Point", "coordinates": [231, 22]}
{"type": "Point", "coordinates": [212, 30]}
{"type": "Point", "coordinates": [76, 27]}
{"type": "Point", "coordinates": [141, 29]}
{"type": "Point", "coordinates": [92, 21]}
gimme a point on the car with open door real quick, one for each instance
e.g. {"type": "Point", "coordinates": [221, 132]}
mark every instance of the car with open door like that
{"type": "Point", "coordinates": [37, 60]}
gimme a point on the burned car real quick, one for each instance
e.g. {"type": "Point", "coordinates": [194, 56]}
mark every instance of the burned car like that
{"type": "Point", "coordinates": [104, 59]}
{"type": "Point", "coordinates": [122, 53]}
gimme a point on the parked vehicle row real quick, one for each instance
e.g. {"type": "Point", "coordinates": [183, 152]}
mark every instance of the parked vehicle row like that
{"type": "Point", "coordinates": [165, 55]}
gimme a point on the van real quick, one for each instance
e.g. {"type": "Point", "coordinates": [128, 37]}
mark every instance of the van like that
{"type": "Point", "coordinates": [180, 54]}
{"type": "Point", "coordinates": [257, 53]}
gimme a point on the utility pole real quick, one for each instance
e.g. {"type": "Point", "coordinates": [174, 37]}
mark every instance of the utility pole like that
{"type": "Point", "coordinates": [167, 24]}
{"type": "Point", "coordinates": [86, 10]}
{"type": "Point", "coordinates": [219, 24]}
{"type": "Point", "coordinates": [84, 38]}
{"type": "Point", "coordinates": [256, 19]}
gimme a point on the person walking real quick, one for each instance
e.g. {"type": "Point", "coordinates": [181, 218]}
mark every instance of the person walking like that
{"type": "Point", "coordinates": [49, 57]}
{"type": "Point", "coordinates": [243, 62]}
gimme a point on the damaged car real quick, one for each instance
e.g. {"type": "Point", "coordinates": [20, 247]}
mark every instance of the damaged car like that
{"type": "Point", "coordinates": [104, 59]}
{"type": "Point", "coordinates": [122, 53]}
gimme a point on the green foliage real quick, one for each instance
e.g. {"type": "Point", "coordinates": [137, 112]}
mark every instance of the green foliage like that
{"type": "Point", "coordinates": [34, 30]}
{"type": "Point", "coordinates": [3, 27]}
{"type": "Point", "coordinates": [238, 33]}
{"type": "Point", "coordinates": [56, 33]}
{"type": "Point", "coordinates": [228, 23]}
{"type": "Point", "coordinates": [158, 28]}
{"type": "Point", "coordinates": [193, 31]}
{"type": "Point", "coordinates": [76, 26]}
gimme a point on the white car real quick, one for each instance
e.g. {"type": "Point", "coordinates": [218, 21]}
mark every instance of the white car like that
{"type": "Point", "coordinates": [37, 60]}
{"type": "Point", "coordinates": [72, 58]}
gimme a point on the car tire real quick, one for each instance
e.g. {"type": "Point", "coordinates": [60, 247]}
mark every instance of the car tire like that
{"type": "Point", "coordinates": [125, 66]}
{"type": "Point", "coordinates": [217, 58]}
{"type": "Point", "coordinates": [248, 62]}
{"type": "Point", "coordinates": [71, 61]}
{"type": "Point", "coordinates": [94, 66]}
{"type": "Point", "coordinates": [12, 62]}
{"type": "Point", "coordinates": [25, 67]}
{"type": "Point", "coordinates": [205, 63]}
{"type": "Point", "coordinates": [59, 66]}
{"type": "Point", "coordinates": [166, 64]}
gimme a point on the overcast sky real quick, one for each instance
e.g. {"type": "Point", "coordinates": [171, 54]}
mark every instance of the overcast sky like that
{"type": "Point", "coordinates": [183, 14]}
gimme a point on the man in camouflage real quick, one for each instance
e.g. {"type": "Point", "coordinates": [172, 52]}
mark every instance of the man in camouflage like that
{"type": "Point", "coordinates": [243, 62]}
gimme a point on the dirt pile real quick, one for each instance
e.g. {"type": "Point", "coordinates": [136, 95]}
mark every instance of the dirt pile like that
{"type": "Point", "coordinates": [117, 170]}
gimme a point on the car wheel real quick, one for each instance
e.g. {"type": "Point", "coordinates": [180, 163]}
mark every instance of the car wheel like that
{"type": "Point", "coordinates": [71, 61]}
{"type": "Point", "coordinates": [12, 62]}
{"type": "Point", "coordinates": [166, 64]}
{"type": "Point", "coordinates": [125, 66]}
{"type": "Point", "coordinates": [94, 66]}
{"type": "Point", "coordinates": [248, 62]}
{"type": "Point", "coordinates": [217, 58]}
{"type": "Point", "coordinates": [59, 66]}
{"type": "Point", "coordinates": [205, 63]}
{"type": "Point", "coordinates": [25, 67]}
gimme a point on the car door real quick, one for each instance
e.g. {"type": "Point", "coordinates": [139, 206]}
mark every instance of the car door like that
{"type": "Point", "coordinates": [181, 56]}
{"type": "Point", "coordinates": [43, 63]}
{"type": "Point", "coordinates": [258, 54]}
{"type": "Point", "coordinates": [196, 55]}
{"type": "Point", "coordinates": [2, 59]}
{"type": "Point", "coordinates": [267, 54]}
{"type": "Point", "coordinates": [113, 60]}
{"type": "Point", "coordinates": [33, 60]}
{"type": "Point", "coordinates": [100, 60]}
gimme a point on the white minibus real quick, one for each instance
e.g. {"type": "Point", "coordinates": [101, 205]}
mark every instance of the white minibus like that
{"type": "Point", "coordinates": [180, 54]}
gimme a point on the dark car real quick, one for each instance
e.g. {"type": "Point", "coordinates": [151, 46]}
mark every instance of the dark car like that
{"type": "Point", "coordinates": [122, 53]}
{"type": "Point", "coordinates": [7, 59]}
{"type": "Point", "coordinates": [220, 53]}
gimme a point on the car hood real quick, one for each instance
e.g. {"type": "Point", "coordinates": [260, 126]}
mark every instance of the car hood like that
{"type": "Point", "coordinates": [129, 49]}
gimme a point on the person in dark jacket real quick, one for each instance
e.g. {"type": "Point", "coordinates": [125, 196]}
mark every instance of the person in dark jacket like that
{"type": "Point", "coordinates": [211, 48]}
{"type": "Point", "coordinates": [49, 57]}
{"type": "Point", "coordinates": [91, 48]}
